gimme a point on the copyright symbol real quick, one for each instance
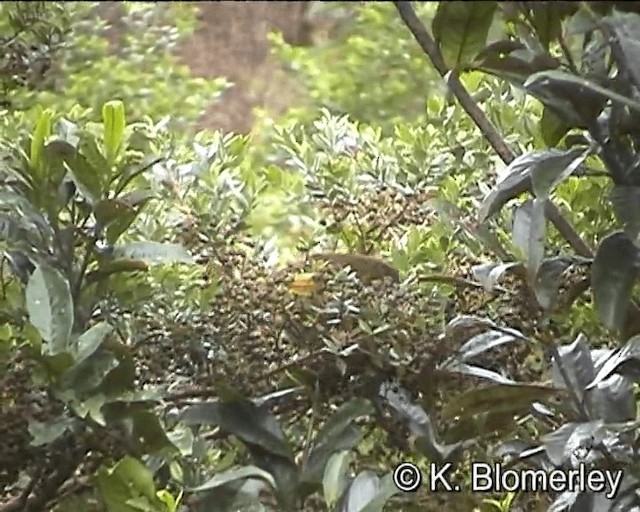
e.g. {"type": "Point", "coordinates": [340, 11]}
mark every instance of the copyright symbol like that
{"type": "Point", "coordinates": [407, 477]}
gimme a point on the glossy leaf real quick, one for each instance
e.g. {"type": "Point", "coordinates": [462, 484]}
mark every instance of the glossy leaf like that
{"type": "Point", "coordinates": [546, 284]}
{"type": "Point", "coordinates": [615, 361]}
{"type": "Point", "coordinates": [90, 340]}
{"type": "Point", "coordinates": [336, 479]}
{"type": "Point", "coordinates": [231, 475]}
{"type": "Point", "coordinates": [625, 42]}
{"type": "Point", "coordinates": [577, 365]}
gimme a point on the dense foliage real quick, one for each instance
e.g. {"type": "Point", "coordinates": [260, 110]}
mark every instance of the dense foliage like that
{"type": "Point", "coordinates": [434, 267]}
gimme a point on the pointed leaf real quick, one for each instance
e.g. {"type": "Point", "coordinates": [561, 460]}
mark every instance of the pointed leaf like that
{"type": "Point", "coordinates": [461, 29]}
{"type": "Point", "coordinates": [485, 341]}
{"type": "Point", "coordinates": [553, 167]}
{"type": "Point", "coordinates": [476, 371]}
{"type": "Point", "coordinates": [40, 135]}
{"type": "Point", "coordinates": [613, 275]}
{"type": "Point", "coordinates": [232, 475]}
{"type": "Point", "coordinates": [113, 119]}
{"type": "Point", "coordinates": [50, 308]}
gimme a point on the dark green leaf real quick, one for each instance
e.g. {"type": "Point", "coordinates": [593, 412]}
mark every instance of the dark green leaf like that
{"type": "Point", "coordinates": [460, 29]}
{"type": "Point", "coordinates": [613, 275]}
{"type": "Point", "coordinates": [86, 177]}
{"type": "Point", "coordinates": [341, 419]}
{"type": "Point", "coordinates": [50, 308]}
{"type": "Point", "coordinates": [612, 400]}
{"type": "Point", "coordinates": [547, 20]}
{"type": "Point", "coordinates": [363, 490]}
{"type": "Point", "coordinates": [244, 420]}
{"type": "Point", "coordinates": [485, 341]}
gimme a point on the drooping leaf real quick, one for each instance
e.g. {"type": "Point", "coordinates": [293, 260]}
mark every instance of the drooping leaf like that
{"type": "Point", "coordinates": [626, 205]}
{"type": "Point", "coordinates": [547, 280]}
{"type": "Point", "coordinates": [475, 371]}
{"type": "Point", "coordinates": [529, 229]}
{"type": "Point", "coordinates": [460, 29]}
{"type": "Point", "coordinates": [242, 473]}
{"type": "Point", "coordinates": [153, 252]}
{"type": "Point", "coordinates": [243, 419]}
{"type": "Point", "coordinates": [547, 18]}
{"type": "Point", "coordinates": [613, 275]}
{"type": "Point", "coordinates": [487, 340]}
{"type": "Point", "coordinates": [508, 398]}
{"type": "Point", "coordinates": [515, 180]}
{"type": "Point", "coordinates": [553, 167]}
{"type": "Point", "coordinates": [489, 274]}
{"type": "Point", "coordinates": [50, 308]}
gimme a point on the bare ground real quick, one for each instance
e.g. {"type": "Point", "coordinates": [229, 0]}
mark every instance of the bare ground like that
{"type": "Point", "coordinates": [231, 41]}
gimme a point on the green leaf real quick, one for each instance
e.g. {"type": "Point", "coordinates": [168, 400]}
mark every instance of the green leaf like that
{"type": "Point", "coordinates": [45, 433]}
{"type": "Point", "coordinates": [547, 20]}
{"type": "Point", "coordinates": [547, 281]}
{"type": "Point", "coordinates": [40, 134]}
{"type": "Point", "coordinates": [113, 120]}
{"type": "Point", "coordinates": [90, 340]}
{"type": "Point", "coordinates": [50, 308]}
{"type": "Point", "coordinates": [552, 128]}
{"type": "Point", "coordinates": [128, 480]}
{"type": "Point", "coordinates": [460, 29]}
{"type": "Point", "coordinates": [86, 177]}
{"type": "Point", "coordinates": [506, 398]}
{"type": "Point", "coordinates": [613, 275]}
{"type": "Point", "coordinates": [153, 252]}
{"type": "Point", "coordinates": [336, 479]}
{"type": "Point", "coordinates": [232, 475]}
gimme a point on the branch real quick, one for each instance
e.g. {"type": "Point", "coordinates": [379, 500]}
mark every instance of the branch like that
{"type": "Point", "coordinates": [497, 142]}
